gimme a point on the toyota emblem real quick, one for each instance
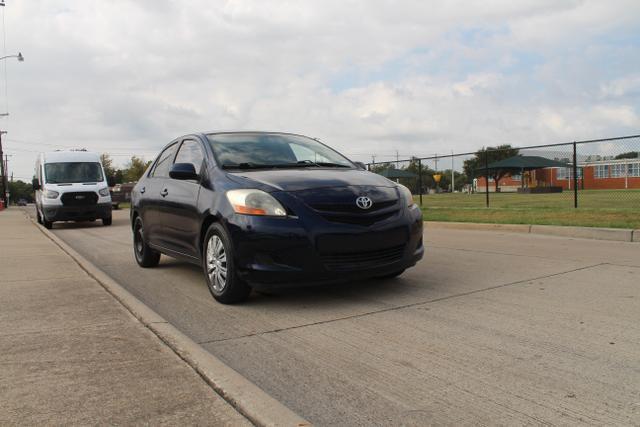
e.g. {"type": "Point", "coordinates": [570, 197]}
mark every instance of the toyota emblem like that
{"type": "Point", "coordinates": [363, 202]}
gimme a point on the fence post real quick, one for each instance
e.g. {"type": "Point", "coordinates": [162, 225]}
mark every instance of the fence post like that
{"type": "Point", "coordinates": [486, 175]}
{"type": "Point", "coordinates": [575, 175]}
{"type": "Point", "coordinates": [420, 180]}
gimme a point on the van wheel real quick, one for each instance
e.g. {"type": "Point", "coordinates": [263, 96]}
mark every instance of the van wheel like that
{"type": "Point", "coordinates": [107, 220]}
{"type": "Point", "coordinates": [145, 256]}
{"type": "Point", "coordinates": [219, 267]}
{"type": "Point", "coordinates": [47, 224]}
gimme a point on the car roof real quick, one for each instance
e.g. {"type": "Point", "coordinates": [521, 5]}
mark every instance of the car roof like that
{"type": "Point", "coordinates": [70, 156]}
{"type": "Point", "coordinates": [244, 132]}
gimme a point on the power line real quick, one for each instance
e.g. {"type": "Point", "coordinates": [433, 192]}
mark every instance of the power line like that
{"type": "Point", "coordinates": [22, 141]}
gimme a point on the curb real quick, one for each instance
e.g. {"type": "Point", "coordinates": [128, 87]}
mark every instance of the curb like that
{"type": "Point", "coordinates": [511, 228]}
{"type": "Point", "coordinates": [247, 398]}
{"type": "Point", "coordinates": [612, 234]}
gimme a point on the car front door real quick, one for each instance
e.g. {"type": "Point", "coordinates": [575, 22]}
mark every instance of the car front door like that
{"type": "Point", "coordinates": [181, 218]}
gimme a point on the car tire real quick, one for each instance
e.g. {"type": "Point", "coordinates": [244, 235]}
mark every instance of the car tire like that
{"type": "Point", "coordinates": [107, 220]}
{"type": "Point", "coordinates": [47, 224]}
{"type": "Point", "coordinates": [392, 275]}
{"type": "Point", "coordinates": [145, 256]}
{"type": "Point", "coordinates": [219, 267]}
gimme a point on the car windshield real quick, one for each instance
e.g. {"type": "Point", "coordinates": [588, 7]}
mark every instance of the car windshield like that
{"type": "Point", "coordinates": [258, 150]}
{"type": "Point", "coordinates": [72, 172]}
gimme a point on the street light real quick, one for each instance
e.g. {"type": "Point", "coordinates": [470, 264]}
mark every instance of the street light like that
{"type": "Point", "coordinates": [19, 56]}
{"type": "Point", "coordinates": [3, 175]}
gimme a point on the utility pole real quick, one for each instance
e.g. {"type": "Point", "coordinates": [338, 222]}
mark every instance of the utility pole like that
{"type": "Point", "coordinates": [397, 160]}
{"type": "Point", "coordinates": [453, 176]}
{"type": "Point", "coordinates": [373, 159]}
{"type": "Point", "coordinates": [6, 173]}
{"type": "Point", "coordinates": [2, 173]}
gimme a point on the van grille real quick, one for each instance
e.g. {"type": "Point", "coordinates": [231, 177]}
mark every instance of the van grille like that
{"type": "Point", "coordinates": [362, 260]}
{"type": "Point", "coordinates": [81, 198]}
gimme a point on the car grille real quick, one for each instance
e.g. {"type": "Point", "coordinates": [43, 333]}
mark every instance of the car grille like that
{"type": "Point", "coordinates": [362, 260]}
{"type": "Point", "coordinates": [352, 214]}
{"type": "Point", "coordinates": [352, 208]}
{"type": "Point", "coordinates": [81, 198]}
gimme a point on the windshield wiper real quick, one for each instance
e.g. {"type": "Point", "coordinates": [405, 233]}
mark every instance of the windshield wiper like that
{"type": "Point", "coordinates": [311, 163]}
{"type": "Point", "coordinates": [300, 164]}
{"type": "Point", "coordinates": [332, 165]}
{"type": "Point", "coordinates": [248, 165]}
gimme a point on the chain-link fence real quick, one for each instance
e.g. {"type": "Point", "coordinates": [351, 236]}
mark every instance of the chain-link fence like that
{"type": "Point", "coordinates": [600, 177]}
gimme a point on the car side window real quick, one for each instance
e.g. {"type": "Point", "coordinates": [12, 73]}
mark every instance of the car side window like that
{"type": "Point", "coordinates": [190, 152]}
{"type": "Point", "coordinates": [161, 169]}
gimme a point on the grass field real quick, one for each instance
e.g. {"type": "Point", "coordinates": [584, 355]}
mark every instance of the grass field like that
{"type": "Point", "coordinates": [597, 208]}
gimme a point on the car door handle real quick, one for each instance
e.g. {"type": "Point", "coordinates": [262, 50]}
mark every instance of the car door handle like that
{"type": "Point", "coordinates": [164, 192]}
{"type": "Point", "coordinates": [142, 190]}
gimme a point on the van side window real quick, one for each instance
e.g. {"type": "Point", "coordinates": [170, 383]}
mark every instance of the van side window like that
{"type": "Point", "coordinates": [190, 152]}
{"type": "Point", "coordinates": [161, 169]}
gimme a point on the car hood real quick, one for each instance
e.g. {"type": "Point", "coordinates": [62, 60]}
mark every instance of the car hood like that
{"type": "Point", "coordinates": [309, 178]}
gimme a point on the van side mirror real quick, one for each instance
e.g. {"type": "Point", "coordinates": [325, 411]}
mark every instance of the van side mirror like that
{"type": "Point", "coordinates": [111, 181]}
{"type": "Point", "coordinates": [36, 184]}
{"type": "Point", "coordinates": [360, 165]}
{"type": "Point", "coordinates": [183, 171]}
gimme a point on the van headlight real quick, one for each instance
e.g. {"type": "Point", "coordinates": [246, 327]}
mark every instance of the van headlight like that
{"type": "Point", "coordinates": [254, 202]}
{"type": "Point", "coordinates": [104, 192]}
{"type": "Point", "coordinates": [406, 195]}
{"type": "Point", "coordinates": [50, 194]}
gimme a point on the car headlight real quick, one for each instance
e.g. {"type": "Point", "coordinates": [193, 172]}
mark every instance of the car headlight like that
{"type": "Point", "coordinates": [254, 202]}
{"type": "Point", "coordinates": [50, 194]}
{"type": "Point", "coordinates": [104, 192]}
{"type": "Point", "coordinates": [406, 195]}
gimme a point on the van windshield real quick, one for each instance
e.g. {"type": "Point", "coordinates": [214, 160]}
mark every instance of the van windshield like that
{"type": "Point", "coordinates": [72, 172]}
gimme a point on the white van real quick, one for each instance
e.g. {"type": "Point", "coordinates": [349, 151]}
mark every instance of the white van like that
{"type": "Point", "coordinates": [71, 186]}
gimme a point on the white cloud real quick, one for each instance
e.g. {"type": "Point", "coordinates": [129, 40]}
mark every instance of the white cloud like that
{"type": "Point", "coordinates": [368, 77]}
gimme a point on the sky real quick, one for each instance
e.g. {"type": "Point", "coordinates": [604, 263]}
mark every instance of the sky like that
{"type": "Point", "coordinates": [369, 77]}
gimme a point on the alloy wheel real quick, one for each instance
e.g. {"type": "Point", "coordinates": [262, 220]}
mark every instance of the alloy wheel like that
{"type": "Point", "coordinates": [216, 264]}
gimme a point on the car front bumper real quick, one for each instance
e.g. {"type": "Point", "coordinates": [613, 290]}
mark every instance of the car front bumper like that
{"type": "Point", "coordinates": [283, 252]}
{"type": "Point", "coordinates": [76, 213]}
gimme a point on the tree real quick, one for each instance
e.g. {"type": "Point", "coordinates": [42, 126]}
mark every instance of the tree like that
{"type": "Point", "coordinates": [445, 180]}
{"type": "Point", "coordinates": [628, 155]}
{"type": "Point", "coordinates": [135, 169]}
{"type": "Point", "coordinates": [107, 164]}
{"type": "Point", "coordinates": [20, 190]}
{"type": "Point", "coordinates": [475, 166]}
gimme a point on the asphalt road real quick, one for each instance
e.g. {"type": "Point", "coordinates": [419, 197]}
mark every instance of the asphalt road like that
{"type": "Point", "coordinates": [490, 328]}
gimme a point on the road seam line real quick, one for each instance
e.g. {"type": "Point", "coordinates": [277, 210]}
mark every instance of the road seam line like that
{"type": "Point", "coordinates": [402, 307]}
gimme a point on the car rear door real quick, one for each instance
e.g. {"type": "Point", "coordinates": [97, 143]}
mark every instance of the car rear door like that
{"type": "Point", "coordinates": [181, 216]}
{"type": "Point", "coordinates": [152, 200]}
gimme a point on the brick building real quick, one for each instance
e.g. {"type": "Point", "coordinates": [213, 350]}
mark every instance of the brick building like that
{"type": "Point", "coordinates": [616, 174]}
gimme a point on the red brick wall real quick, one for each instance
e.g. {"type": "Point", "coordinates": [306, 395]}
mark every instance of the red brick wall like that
{"type": "Point", "coordinates": [548, 177]}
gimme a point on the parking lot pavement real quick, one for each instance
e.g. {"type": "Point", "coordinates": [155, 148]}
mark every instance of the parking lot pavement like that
{"type": "Point", "coordinates": [71, 354]}
{"type": "Point", "coordinates": [491, 328]}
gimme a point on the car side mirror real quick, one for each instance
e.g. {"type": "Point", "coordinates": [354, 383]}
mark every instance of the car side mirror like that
{"type": "Point", "coordinates": [36, 184]}
{"type": "Point", "coordinates": [111, 181]}
{"type": "Point", "coordinates": [360, 165]}
{"type": "Point", "coordinates": [183, 171]}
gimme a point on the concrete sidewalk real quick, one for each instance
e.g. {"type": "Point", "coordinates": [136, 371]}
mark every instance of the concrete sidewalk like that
{"type": "Point", "coordinates": [71, 354]}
